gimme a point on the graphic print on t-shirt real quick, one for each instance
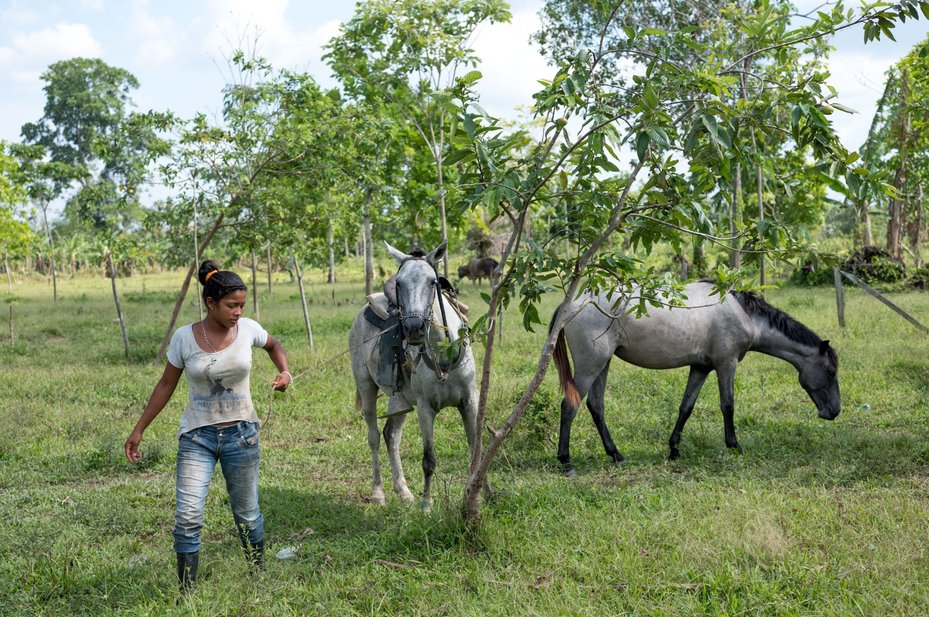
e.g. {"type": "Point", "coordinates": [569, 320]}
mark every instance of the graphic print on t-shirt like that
{"type": "Point", "coordinates": [216, 385]}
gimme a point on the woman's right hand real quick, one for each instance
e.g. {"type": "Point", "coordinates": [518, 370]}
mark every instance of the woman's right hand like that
{"type": "Point", "coordinates": [132, 447]}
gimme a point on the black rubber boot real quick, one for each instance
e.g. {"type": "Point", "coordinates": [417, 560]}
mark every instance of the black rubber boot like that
{"type": "Point", "coordinates": [187, 570]}
{"type": "Point", "coordinates": [255, 555]}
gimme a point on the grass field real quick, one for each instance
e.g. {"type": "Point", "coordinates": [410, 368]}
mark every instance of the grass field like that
{"type": "Point", "coordinates": [815, 518]}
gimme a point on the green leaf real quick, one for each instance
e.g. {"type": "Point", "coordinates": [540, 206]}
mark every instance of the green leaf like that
{"type": "Point", "coordinates": [641, 145]}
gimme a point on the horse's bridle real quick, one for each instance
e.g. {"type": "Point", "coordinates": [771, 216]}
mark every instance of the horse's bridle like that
{"type": "Point", "coordinates": [426, 317]}
{"type": "Point", "coordinates": [441, 372]}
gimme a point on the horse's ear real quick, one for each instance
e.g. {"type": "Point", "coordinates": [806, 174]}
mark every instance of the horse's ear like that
{"type": "Point", "coordinates": [398, 255]}
{"type": "Point", "coordinates": [824, 346]}
{"type": "Point", "coordinates": [436, 255]}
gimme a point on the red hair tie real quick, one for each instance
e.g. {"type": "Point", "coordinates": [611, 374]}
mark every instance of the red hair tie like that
{"type": "Point", "coordinates": [207, 278]}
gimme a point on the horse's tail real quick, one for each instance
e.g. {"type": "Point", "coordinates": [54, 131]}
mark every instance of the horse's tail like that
{"type": "Point", "coordinates": [560, 357]}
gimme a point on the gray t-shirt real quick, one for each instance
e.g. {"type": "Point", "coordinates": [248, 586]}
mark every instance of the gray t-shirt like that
{"type": "Point", "coordinates": [218, 382]}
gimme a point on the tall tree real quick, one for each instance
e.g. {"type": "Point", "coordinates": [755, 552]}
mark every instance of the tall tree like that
{"type": "Point", "coordinates": [405, 53]}
{"type": "Point", "coordinates": [88, 126]}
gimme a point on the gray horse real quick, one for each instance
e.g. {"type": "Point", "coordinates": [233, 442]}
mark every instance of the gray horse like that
{"type": "Point", "coordinates": [436, 376]}
{"type": "Point", "coordinates": [709, 333]}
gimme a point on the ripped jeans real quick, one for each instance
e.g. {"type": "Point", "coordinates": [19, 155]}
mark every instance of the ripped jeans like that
{"type": "Point", "coordinates": [236, 449]}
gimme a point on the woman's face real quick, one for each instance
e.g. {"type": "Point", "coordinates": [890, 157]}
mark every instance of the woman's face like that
{"type": "Point", "coordinates": [226, 312]}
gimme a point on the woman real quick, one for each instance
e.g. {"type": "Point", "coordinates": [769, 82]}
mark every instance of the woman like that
{"type": "Point", "coordinates": [219, 423]}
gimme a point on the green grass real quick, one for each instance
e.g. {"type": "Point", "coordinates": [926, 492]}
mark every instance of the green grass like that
{"type": "Point", "coordinates": [815, 518]}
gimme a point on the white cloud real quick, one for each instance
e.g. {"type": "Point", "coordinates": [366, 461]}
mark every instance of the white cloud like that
{"type": "Point", "coordinates": [511, 67]}
{"type": "Point", "coordinates": [859, 81]}
{"type": "Point", "coordinates": [157, 40]}
{"type": "Point", "coordinates": [32, 52]}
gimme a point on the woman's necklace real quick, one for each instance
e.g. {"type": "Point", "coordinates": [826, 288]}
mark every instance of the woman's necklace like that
{"type": "Point", "coordinates": [207, 340]}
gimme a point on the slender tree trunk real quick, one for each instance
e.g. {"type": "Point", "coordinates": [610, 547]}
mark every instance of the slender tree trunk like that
{"type": "Point", "coordinates": [111, 271]}
{"type": "Point", "coordinates": [896, 215]}
{"type": "Point", "coordinates": [441, 183]}
{"type": "Point", "coordinates": [9, 274]}
{"type": "Point", "coordinates": [331, 278]}
{"type": "Point", "coordinates": [306, 312]}
{"type": "Point", "coordinates": [864, 218]}
{"type": "Point", "coordinates": [916, 225]}
{"type": "Point", "coordinates": [51, 253]}
{"type": "Point", "coordinates": [366, 240]}
{"type": "Point", "coordinates": [270, 267]}
{"type": "Point", "coordinates": [896, 210]}
{"type": "Point", "coordinates": [735, 256]}
{"type": "Point", "coordinates": [185, 286]}
{"type": "Point", "coordinates": [255, 286]}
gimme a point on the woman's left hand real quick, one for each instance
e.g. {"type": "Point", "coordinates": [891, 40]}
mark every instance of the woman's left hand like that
{"type": "Point", "coordinates": [281, 382]}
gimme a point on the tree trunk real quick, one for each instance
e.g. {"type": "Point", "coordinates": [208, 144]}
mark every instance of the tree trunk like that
{"type": "Point", "coordinates": [51, 253]}
{"type": "Point", "coordinates": [896, 210]}
{"type": "Point", "coordinates": [9, 275]}
{"type": "Point", "coordinates": [331, 277]}
{"type": "Point", "coordinates": [917, 226]}
{"type": "Point", "coordinates": [255, 286]}
{"type": "Point", "coordinates": [111, 270]}
{"type": "Point", "coordinates": [896, 215]}
{"type": "Point", "coordinates": [864, 218]}
{"type": "Point", "coordinates": [735, 256]}
{"type": "Point", "coordinates": [366, 240]}
{"type": "Point", "coordinates": [270, 267]}
{"type": "Point", "coordinates": [306, 312]}
{"type": "Point", "coordinates": [183, 292]}
{"type": "Point", "coordinates": [441, 184]}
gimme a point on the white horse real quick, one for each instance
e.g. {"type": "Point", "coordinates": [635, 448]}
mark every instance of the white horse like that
{"type": "Point", "coordinates": [709, 333]}
{"type": "Point", "coordinates": [439, 369]}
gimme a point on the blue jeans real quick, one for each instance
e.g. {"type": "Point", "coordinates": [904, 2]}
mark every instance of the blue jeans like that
{"type": "Point", "coordinates": [236, 449]}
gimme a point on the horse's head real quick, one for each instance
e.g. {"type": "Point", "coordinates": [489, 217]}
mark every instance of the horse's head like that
{"type": "Point", "coordinates": [416, 290]}
{"type": "Point", "coordinates": [819, 377]}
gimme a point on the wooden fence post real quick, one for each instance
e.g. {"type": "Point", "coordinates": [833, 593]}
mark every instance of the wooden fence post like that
{"type": "Point", "coordinates": [887, 302]}
{"type": "Point", "coordinates": [839, 296]}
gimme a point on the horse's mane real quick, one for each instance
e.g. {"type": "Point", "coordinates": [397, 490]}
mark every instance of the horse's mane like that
{"type": "Point", "coordinates": [753, 304]}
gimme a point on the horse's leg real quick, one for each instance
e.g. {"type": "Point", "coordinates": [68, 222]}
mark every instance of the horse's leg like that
{"type": "Point", "coordinates": [595, 404]}
{"type": "Point", "coordinates": [726, 377]}
{"type": "Point", "coordinates": [426, 425]}
{"type": "Point", "coordinates": [568, 412]}
{"type": "Point", "coordinates": [393, 432]}
{"type": "Point", "coordinates": [698, 375]}
{"type": "Point", "coordinates": [368, 395]}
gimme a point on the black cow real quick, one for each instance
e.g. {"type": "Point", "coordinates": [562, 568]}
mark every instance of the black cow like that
{"type": "Point", "coordinates": [482, 267]}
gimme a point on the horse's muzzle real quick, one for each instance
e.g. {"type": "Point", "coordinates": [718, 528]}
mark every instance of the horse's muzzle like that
{"type": "Point", "coordinates": [829, 414]}
{"type": "Point", "coordinates": [414, 330]}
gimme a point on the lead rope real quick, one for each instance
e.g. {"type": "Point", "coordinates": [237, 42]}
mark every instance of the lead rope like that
{"type": "Point", "coordinates": [267, 419]}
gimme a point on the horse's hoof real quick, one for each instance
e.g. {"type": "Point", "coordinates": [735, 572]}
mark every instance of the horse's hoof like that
{"type": "Point", "coordinates": [569, 471]}
{"type": "Point", "coordinates": [378, 500]}
{"type": "Point", "coordinates": [736, 448]}
{"type": "Point", "coordinates": [618, 458]}
{"type": "Point", "coordinates": [407, 497]}
{"type": "Point", "coordinates": [425, 506]}
{"type": "Point", "coordinates": [674, 455]}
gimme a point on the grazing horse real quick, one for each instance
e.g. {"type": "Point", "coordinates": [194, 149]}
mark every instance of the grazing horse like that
{"type": "Point", "coordinates": [434, 377]}
{"type": "Point", "coordinates": [709, 333]}
{"type": "Point", "coordinates": [482, 267]}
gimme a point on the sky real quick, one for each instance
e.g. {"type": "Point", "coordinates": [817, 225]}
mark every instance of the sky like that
{"type": "Point", "coordinates": [178, 50]}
